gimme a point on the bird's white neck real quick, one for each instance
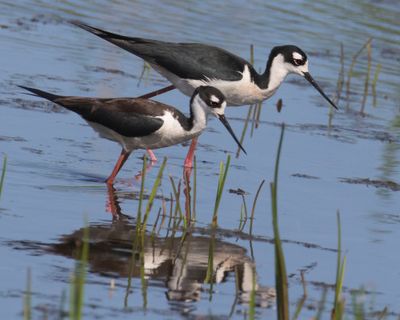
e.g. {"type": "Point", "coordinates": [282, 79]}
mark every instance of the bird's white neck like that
{"type": "Point", "coordinates": [277, 73]}
{"type": "Point", "coordinates": [199, 115]}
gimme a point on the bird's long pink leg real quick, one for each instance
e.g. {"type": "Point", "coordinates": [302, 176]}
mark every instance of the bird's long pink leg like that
{"type": "Point", "coordinates": [120, 162]}
{"type": "Point", "coordinates": [157, 92]}
{"type": "Point", "coordinates": [112, 204]}
{"type": "Point", "coordinates": [189, 158]}
{"type": "Point", "coordinates": [153, 157]}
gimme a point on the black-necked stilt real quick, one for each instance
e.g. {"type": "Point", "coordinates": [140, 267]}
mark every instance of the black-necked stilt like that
{"type": "Point", "coordinates": [138, 123]}
{"type": "Point", "coordinates": [189, 65]}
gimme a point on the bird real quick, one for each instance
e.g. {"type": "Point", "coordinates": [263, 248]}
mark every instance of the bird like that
{"type": "Point", "coordinates": [189, 65]}
{"type": "Point", "coordinates": [138, 123]}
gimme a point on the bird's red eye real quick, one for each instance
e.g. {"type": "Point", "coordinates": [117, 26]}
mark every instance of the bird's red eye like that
{"type": "Point", "coordinates": [298, 62]}
{"type": "Point", "coordinates": [214, 103]}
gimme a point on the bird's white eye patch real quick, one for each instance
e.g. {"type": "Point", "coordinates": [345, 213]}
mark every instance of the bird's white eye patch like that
{"type": "Point", "coordinates": [214, 99]}
{"type": "Point", "coordinates": [297, 56]}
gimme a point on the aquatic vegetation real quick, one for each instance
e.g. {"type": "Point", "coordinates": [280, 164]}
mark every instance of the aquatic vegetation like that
{"type": "Point", "coordinates": [78, 278]}
{"type": "Point", "coordinates": [28, 296]}
{"type": "Point", "coordinates": [281, 280]}
{"type": "Point", "coordinates": [339, 302]}
{"type": "Point", "coordinates": [153, 193]}
{"type": "Point", "coordinates": [253, 208]}
{"type": "Point", "coordinates": [351, 68]}
{"type": "Point", "coordinates": [223, 173]}
{"type": "Point", "coordinates": [3, 174]}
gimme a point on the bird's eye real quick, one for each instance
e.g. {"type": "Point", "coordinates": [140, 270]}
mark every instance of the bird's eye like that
{"type": "Point", "coordinates": [214, 104]}
{"type": "Point", "coordinates": [298, 62]}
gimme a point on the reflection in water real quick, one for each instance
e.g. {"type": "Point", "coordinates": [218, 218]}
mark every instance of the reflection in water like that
{"type": "Point", "coordinates": [181, 263]}
{"type": "Point", "coordinates": [391, 158]}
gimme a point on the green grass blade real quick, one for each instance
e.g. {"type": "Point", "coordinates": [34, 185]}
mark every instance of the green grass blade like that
{"type": "Point", "coordinates": [3, 174]}
{"type": "Point", "coordinates": [253, 209]}
{"type": "Point", "coordinates": [350, 72]}
{"type": "Point", "coordinates": [374, 82]}
{"type": "Point", "coordinates": [252, 302]}
{"type": "Point", "coordinates": [177, 197]}
{"type": "Point", "coordinates": [321, 305]}
{"type": "Point", "coordinates": [153, 193]}
{"type": "Point", "coordinates": [338, 307]}
{"type": "Point", "coordinates": [280, 267]}
{"type": "Point", "coordinates": [28, 296]}
{"type": "Point", "coordinates": [79, 278]}
{"type": "Point", "coordinates": [139, 212]}
{"type": "Point", "coordinates": [367, 79]}
{"type": "Point", "coordinates": [223, 173]}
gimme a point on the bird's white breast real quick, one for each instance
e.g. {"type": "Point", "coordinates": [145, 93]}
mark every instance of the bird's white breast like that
{"type": "Point", "coordinates": [237, 93]}
{"type": "Point", "coordinates": [170, 133]}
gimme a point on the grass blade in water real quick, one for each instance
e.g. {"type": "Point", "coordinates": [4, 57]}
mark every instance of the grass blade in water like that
{"type": "Point", "coordinates": [253, 209]}
{"type": "Point", "coordinates": [28, 296]}
{"type": "Point", "coordinates": [374, 81]}
{"type": "Point", "coordinates": [78, 278]}
{"type": "Point", "coordinates": [3, 174]}
{"type": "Point", "coordinates": [280, 267]}
{"type": "Point", "coordinates": [223, 173]}
{"type": "Point", "coordinates": [153, 193]}
{"type": "Point", "coordinates": [338, 307]}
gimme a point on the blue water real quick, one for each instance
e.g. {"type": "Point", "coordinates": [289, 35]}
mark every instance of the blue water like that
{"type": "Point", "coordinates": [53, 156]}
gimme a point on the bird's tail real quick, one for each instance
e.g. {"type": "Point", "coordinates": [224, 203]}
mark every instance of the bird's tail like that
{"type": "Point", "coordinates": [41, 93]}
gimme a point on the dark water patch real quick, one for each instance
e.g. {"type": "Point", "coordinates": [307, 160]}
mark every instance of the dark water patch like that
{"type": "Point", "coordinates": [387, 218]}
{"type": "Point", "coordinates": [238, 234]}
{"type": "Point", "coordinates": [391, 53]}
{"type": "Point", "coordinates": [12, 139]}
{"type": "Point", "coordinates": [31, 23]}
{"type": "Point", "coordinates": [304, 176]}
{"type": "Point", "coordinates": [386, 184]}
{"type": "Point", "coordinates": [33, 150]}
{"type": "Point", "coordinates": [238, 191]}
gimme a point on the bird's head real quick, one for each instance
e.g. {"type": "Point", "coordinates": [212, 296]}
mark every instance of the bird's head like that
{"type": "Point", "coordinates": [213, 102]}
{"type": "Point", "coordinates": [291, 59]}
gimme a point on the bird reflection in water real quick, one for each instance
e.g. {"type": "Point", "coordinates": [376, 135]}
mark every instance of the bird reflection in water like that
{"type": "Point", "coordinates": [180, 263]}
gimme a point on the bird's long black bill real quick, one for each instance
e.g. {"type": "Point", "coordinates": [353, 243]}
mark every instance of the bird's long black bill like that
{"type": "Point", "coordinates": [229, 128]}
{"type": "Point", "coordinates": [316, 86]}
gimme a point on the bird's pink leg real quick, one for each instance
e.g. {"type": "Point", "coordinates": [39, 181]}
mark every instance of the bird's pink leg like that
{"type": "Point", "coordinates": [189, 158]}
{"type": "Point", "coordinates": [153, 157]}
{"type": "Point", "coordinates": [112, 204]}
{"type": "Point", "coordinates": [120, 162]}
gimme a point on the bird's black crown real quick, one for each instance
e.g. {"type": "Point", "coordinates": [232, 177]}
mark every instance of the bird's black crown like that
{"type": "Point", "coordinates": [292, 54]}
{"type": "Point", "coordinates": [210, 95]}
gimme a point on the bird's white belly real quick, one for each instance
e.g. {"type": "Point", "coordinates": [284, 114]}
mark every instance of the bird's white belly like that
{"type": "Point", "coordinates": [170, 133]}
{"type": "Point", "coordinates": [237, 93]}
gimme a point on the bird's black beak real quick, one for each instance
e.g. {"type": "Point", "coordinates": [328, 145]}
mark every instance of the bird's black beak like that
{"type": "Point", "coordinates": [225, 122]}
{"type": "Point", "coordinates": [311, 80]}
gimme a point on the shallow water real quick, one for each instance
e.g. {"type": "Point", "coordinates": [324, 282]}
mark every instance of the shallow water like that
{"type": "Point", "coordinates": [56, 162]}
